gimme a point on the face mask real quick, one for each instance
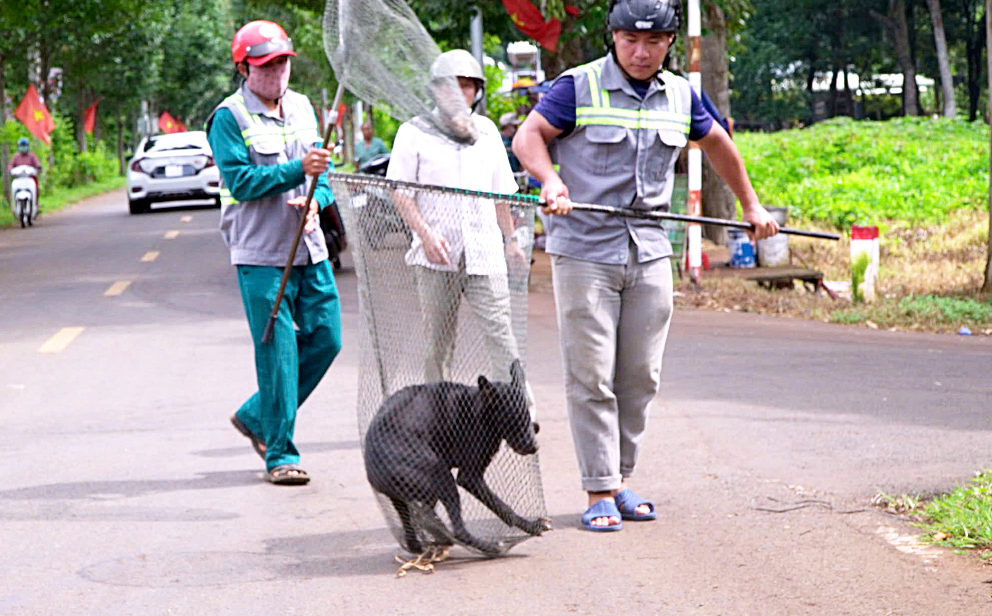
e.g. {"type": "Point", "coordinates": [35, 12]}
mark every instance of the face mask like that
{"type": "Point", "coordinates": [270, 80]}
{"type": "Point", "coordinates": [23, 149]}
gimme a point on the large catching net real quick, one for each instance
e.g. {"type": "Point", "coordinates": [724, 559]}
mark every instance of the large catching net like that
{"type": "Point", "coordinates": [444, 411]}
{"type": "Point", "coordinates": [381, 52]}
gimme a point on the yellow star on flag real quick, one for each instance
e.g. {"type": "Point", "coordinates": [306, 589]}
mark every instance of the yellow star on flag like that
{"type": "Point", "coordinates": [38, 116]}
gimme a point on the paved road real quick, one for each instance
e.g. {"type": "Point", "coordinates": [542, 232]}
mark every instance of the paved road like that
{"type": "Point", "coordinates": [125, 490]}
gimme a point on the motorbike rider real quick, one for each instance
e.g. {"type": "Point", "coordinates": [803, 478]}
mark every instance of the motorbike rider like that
{"type": "Point", "coordinates": [24, 156]}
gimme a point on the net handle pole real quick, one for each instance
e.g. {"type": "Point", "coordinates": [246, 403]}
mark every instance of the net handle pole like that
{"type": "Point", "coordinates": [652, 215]}
{"type": "Point", "coordinates": [588, 207]}
{"type": "Point", "coordinates": [274, 315]}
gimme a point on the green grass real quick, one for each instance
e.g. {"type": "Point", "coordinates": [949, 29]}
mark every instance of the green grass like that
{"type": "Point", "coordinates": [963, 518]}
{"type": "Point", "coordinates": [62, 197]}
{"type": "Point", "coordinates": [844, 172]}
{"type": "Point", "coordinates": [934, 310]}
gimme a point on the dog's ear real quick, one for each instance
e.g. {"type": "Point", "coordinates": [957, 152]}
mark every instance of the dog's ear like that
{"type": "Point", "coordinates": [517, 374]}
{"type": "Point", "coordinates": [487, 392]}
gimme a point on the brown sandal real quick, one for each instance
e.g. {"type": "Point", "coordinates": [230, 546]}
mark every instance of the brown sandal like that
{"type": "Point", "coordinates": [287, 475]}
{"type": "Point", "coordinates": [256, 442]}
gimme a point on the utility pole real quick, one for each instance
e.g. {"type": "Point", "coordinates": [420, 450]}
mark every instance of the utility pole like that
{"type": "Point", "coordinates": [694, 233]}
{"type": "Point", "coordinates": [476, 30]}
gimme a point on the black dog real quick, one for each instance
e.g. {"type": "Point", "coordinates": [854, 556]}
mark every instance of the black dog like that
{"type": "Point", "coordinates": [422, 432]}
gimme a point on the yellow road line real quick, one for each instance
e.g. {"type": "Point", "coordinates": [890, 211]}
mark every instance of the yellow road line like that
{"type": "Point", "coordinates": [117, 288]}
{"type": "Point", "coordinates": [61, 340]}
{"type": "Point", "coordinates": [171, 235]}
{"type": "Point", "coordinates": [186, 219]}
{"type": "Point", "coordinates": [150, 256]}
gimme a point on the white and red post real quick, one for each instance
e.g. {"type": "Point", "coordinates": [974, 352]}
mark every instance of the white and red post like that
{"type": "Point", "coordinates": [694, 232]}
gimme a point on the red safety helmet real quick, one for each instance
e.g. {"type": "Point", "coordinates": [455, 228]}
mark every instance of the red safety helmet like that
{"type": "Point", "coordinates": [259, 41]}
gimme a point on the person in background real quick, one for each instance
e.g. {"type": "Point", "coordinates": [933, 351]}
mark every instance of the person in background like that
{"type": "Point", "coordinates": [368, 147]}
{"type": "Point", "coordinates": [508, 123]}
{"type": "Point", "coordinates": [24, 156]}
{"type": "Point", "coordinates": [267, 145]}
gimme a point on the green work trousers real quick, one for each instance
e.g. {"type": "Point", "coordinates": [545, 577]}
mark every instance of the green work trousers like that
{"type": "Point", "coordinates": [289, 367]}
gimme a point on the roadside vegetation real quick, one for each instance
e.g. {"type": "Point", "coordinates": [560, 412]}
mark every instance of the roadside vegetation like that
{"type": "Point", "coordinates": [960, 519]}
{"type": "Point", "coordinates": [923, 182]}
{"type": "Point", "coordinates": [68, 175]}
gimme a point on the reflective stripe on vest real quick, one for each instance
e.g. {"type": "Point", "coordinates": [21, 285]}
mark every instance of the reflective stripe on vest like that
{"type": "Point", "coordinates": [601, 113]}
{"type": "Point", "coordinates": [259, 131]}
{"type": "Point", "coordinates": [226, 198]}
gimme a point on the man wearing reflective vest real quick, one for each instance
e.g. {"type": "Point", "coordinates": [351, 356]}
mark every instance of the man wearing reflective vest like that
{"type": "Point", "coordinates": [615, 127]}
{"type": "Point", "coordinates": [266, 142]}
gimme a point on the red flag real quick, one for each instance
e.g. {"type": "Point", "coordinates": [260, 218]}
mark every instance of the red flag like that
{"type": "Point", "coordinates": [89, 118]}
{"type": "Point", "coordinates": [530, 21]}
{"type": "Point", "coordinates": [168, 124]}
{"type": "Point", "coordinates": [33, 113]}
{"type": "Point", "coordinates": [341, 110]}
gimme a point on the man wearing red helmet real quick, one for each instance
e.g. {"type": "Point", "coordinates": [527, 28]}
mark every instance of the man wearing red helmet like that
{"type": "Point", "coordinates": [266, 141]}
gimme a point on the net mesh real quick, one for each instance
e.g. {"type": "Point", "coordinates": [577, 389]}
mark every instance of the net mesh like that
{"type": "Point", "coordinates": [382, 53]}
{"type": "Point", "coordinates": [444, 410]}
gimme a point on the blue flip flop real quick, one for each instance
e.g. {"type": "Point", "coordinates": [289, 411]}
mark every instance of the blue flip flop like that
{"type": "Point", "coordinates": [627, 504]}
{"type": "Point", "coordinates": [601, 509]}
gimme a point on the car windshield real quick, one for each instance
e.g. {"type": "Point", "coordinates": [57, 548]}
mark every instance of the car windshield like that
{"type": "Point", "coordinates": [177, 141]}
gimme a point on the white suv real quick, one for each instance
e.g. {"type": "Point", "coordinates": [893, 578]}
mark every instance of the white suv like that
{"type": "Point", "coordinates": [172, 167]}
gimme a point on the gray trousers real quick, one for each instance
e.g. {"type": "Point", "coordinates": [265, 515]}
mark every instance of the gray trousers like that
{"type": "Point", "coordinates": [613, 322]}
{"type": "Point", "coordinates": [489, 296]}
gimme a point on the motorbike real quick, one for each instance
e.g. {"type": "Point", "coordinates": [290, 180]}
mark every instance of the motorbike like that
{"type": "Point", "coordinates": [374, 207]}
{"type": "Point", "coordinates": [24, 191]}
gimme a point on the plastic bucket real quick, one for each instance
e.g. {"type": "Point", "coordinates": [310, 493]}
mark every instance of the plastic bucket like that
{"type": "Point", "coordinates": [774, 251]}
{"type": "Point", "coordinates": [740, 248]}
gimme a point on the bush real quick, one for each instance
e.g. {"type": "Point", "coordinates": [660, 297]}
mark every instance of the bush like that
{"type": "Point", "coordinates": [845, 172]}
{"type": "Point", "coordinates": [71, 168]}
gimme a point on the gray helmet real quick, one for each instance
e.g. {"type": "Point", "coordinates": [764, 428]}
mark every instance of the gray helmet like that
{"type": "Point", "coordinates": [457, 63]}
{"type": "Point", "coordinates": [23, 141]}
{"type": "Point", "coordinates": [644, 15]}
{"type": "Point", "coordinates": [460, 63]}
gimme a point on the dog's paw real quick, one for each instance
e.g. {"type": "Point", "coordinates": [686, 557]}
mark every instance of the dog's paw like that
{"type": "Point", "coordinates": [490, 549]}
{"type": "Point", "coordinates": [536, 526]}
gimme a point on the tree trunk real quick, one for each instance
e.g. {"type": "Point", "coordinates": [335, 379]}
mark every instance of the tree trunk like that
{"type": "Point", "coordinates": [569, 53]}
{"type": "Point", "coordinates": [80, 122]}
{"type": "Point", "coordinates": [834, 85]}
{"type": "Point", "coordinates": [4, 147]}
{"type": "Point", "coordinates": [848, 95]}
{"type": "Point", "coordinates": [120, 143]}
{"type": "Point", "coordinates": [940, 40]}
{"type": "Point", "coordinates": [987, 285]}
{"type": "Point", "coordinates": [718, 199]}
{"type": "Point", "coordinates": [898, 28]}
{"type": "Point", "coordinates": [973, 51]}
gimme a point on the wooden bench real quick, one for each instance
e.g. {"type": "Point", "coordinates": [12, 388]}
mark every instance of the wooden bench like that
{"type": "Point", "coordinates": [783, 277]}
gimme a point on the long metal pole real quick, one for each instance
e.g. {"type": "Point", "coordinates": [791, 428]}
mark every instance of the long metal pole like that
{"type": "Point", "coordinates": [694, 233]}
{"type": "Point", "coordinates": [366, 180]}
{"type": "Point", "coordinates": [274, 315]}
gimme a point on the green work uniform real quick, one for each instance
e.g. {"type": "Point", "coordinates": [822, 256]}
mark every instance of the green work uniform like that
{"type": "Point", "coordinates": [259, 154]}
{"type": "Point", "coordinates": [365, 154]}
